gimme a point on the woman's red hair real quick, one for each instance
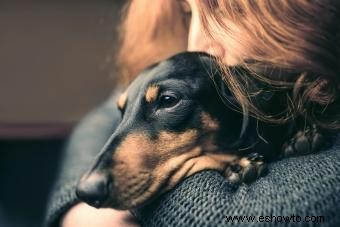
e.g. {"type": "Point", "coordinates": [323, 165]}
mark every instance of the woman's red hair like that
{"type": "Point", "coordinates": [300, 37]}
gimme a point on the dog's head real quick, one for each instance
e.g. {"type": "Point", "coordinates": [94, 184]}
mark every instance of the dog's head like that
{"type": "Point", "coordinates": [171, 116]}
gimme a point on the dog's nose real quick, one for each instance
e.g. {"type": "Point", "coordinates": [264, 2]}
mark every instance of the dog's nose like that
{"type": "Point", "coordinates": [94, 189]}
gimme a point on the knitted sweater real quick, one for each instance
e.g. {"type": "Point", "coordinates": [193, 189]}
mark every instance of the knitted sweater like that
{"type": "Point", "coordinates": [307, 187]}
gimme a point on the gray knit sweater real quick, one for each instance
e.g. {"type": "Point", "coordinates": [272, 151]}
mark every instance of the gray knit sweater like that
{"type": "Point", "coordinates": [306, 187]}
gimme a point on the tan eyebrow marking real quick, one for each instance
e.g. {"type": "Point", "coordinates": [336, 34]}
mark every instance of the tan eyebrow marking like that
{"type": "Point", "coordinates": [121, 102]}
{"type": "Point", "coordinates": [151, 93]}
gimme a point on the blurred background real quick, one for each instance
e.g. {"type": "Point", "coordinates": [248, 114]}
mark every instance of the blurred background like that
{"type": "Point", "coordinates": [56, 64]}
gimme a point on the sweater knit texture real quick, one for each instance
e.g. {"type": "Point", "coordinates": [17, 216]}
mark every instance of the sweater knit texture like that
{"type": "Point", "coordinates": [302, 186]}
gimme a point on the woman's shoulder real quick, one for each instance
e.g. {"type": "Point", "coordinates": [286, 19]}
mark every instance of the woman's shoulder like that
{"type": "Point", "coordinates": [301, 186]}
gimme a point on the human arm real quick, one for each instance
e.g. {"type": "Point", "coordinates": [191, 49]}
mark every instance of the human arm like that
{"type": "Point", "coordinates": [83, 215]}
{"type": "Point", "coordinates": [86, 141]}
{"type": "Point", "coordinates": [304, 186]}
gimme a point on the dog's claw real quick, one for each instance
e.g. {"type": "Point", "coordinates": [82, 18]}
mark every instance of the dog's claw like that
{"type": "Point", "coordinates": [304, 142]}
{"type": "Point", "coordinates": [255, 157]}
{"type": "Point", "coordinates": [232, 173]}
{"type": "Point", "coordinates": [302, 145]}
{"type": "Point", "coordinates": [317, 142]}
{"type": "Point", "coordinates": [249, 173]}
{"type": "Point", "coordinates": [262, 170]}
{"type": "Point", "coordinates": [288, 150]}
{"type": "Point", "coordinates": [247, 170]}
{"type": "Point", "coordinates": [235, 168]}
{"type": "Point", "coordinates": [234, 178]}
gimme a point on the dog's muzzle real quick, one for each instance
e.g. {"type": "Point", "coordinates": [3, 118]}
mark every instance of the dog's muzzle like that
{"type": "Point", "coordinates": [94, 189]}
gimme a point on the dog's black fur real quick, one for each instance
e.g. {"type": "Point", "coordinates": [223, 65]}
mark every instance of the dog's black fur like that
{"type": "Point", "coordinates": [186, 86]}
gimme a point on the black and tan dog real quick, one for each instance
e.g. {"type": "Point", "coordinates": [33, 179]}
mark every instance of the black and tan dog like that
{"type": "Point", "coordinates": [174, 124]}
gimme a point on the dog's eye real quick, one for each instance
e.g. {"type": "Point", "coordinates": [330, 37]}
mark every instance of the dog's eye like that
{"type": "Point", "coordinates": [167, 101]}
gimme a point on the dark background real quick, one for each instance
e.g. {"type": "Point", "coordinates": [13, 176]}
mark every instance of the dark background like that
{"type": "Point", "coordinates": [27, 170]}
{"type": "Point", "coordinates": [55, 65]}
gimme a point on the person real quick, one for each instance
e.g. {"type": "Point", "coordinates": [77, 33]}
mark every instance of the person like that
{"type": "Point", "coordinates": [291, 45]}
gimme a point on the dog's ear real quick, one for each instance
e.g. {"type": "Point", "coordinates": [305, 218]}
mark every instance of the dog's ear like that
{"type": "Point", "coordinates": [257, 91]}
{"type": "Point", "coordinates": [228, 98]}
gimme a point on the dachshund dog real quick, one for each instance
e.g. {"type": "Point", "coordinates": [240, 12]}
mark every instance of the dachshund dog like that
{"type": "Point", "coordinates": [178, 118]}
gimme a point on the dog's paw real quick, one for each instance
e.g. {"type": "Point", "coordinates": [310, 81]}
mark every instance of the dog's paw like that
{"type": "Point", "coordinates": [247, 169]}
{"type": "Point", "coordinates": [304, 142]}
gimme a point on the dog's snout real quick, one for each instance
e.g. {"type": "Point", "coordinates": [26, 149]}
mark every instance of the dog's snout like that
{"type": "Point", "coordinates": [94, 189]}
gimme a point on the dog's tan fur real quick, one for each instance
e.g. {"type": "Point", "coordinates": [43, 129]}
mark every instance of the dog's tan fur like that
{"type": "Point", "coordinates": [145, 167]}
{"type": "Point", "coordinates": [151, 93]}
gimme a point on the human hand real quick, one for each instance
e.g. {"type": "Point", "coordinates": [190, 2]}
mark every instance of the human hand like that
{"type": "Point", "coordinates": [83, 215]}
